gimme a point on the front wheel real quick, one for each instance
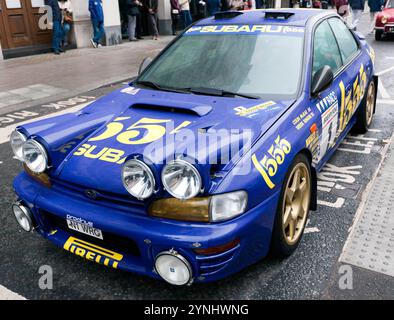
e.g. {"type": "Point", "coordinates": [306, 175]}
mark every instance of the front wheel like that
{"type": "Point", "coordinates": [365, 114]}
{"type": "Point", "coordinates": [293, 208]}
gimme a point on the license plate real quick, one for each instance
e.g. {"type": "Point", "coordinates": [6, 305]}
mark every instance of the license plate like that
{"type": "Point", "coordinates": [84, 228]}
{"type": "Point", "coordinates": [390, 29]}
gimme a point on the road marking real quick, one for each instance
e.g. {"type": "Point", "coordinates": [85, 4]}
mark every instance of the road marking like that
{"type": "Point", "coordinates": [6, 294]}
{"type": "Point", "coordinates": [384, 71]}
{"type": "Point", "coordinates": [6, 131]}
{"type": "Point", "coordinates": [382, 90]}
{"type": "Point", "coordinates": [385, 101]}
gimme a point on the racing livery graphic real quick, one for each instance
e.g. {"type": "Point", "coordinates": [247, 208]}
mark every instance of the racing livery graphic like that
{"type": "Point", "coordinates": [202, 164]}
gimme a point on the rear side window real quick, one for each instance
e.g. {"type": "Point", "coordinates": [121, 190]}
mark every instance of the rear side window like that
{"type": "Point", "coordinates": [347, 44]}
{"type": "Point", "coordinates": [325, 49]}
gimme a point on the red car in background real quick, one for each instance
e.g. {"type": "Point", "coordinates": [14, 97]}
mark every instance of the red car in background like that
{"type": "Point", "coordinates": [384, 23]}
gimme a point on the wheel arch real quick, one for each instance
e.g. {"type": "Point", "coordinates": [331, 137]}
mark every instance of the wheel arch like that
{"type": "Point", "coordinates": [308, 154]}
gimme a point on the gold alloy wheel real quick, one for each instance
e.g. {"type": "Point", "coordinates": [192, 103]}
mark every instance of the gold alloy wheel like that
{"type": "Point", "coordinates": [296, 203]}
{"type": "Point", "coordinates": [370, 103]}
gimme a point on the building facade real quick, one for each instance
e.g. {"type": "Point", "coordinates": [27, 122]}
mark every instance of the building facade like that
{"type": "Point", "coordinates": [20, 33]}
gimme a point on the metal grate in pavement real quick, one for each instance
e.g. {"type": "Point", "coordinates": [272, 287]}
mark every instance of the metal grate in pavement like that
{"type": "Point", "coordinates": [371, 242]}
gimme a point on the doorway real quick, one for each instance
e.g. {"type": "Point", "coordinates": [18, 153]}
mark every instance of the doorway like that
{"type": "Point", "coordinates": [19, 30]}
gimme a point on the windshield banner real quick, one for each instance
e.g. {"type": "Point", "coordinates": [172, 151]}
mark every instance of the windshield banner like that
{"type": "Point", "coordinates": [245, 29]}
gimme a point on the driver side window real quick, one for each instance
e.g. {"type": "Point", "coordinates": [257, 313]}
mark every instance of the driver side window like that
{"type": "Point", "coordinates": [325, 49]}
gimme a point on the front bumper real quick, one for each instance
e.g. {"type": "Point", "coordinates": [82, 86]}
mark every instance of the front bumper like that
{"type": "Point", "coordinates": [388, 28]}
{"type": "Point", "coordinates": [132, 241]}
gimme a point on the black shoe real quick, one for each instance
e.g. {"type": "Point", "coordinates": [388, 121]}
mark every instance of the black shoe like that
{"type": "Point", "coordinates": [62, 50]}
{"type": "Point", "coordinates": [140, 38]}
{"type": "Point", "coordinates": [57, 52]}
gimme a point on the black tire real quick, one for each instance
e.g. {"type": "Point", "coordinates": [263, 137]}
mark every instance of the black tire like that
{"type": "Point", "coordinates": [279, 246]}
{"type": "Point", "coordinates": [364, 118]}
{"type": "Point", "coordinates": [378, 35]}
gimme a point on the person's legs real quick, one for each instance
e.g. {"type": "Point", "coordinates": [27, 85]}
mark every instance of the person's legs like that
{"type": "Point", "coordinates": [56, 36]}
{"type": "Point", "coordinates": [153, 25]}
{"type": "Point", "coordinates": [372, 16]}
{"type": "Point", "coordinates": [132, 25]}
{"type": "Point", "coordinates": [138, 29]}
{"type": "Point", "coordinates": [174, 18]}
{"type": "Point", "coordinates": [188, 18]}
{"type": "Point", "coordinates": [356, 18]}
{"type": "Point", "coordinates": [66, 30]}
{"type": "Point", "coordinates": [95, 32]}
{"type": "Point", "coordinates": [101, 31]}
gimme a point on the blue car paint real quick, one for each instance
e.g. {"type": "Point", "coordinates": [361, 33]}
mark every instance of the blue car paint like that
{"type": "Point", "coordinates": [116, 212]}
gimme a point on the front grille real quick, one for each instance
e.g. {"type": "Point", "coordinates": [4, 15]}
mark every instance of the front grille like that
{"type": "Point", "coordinates": [110, 240]}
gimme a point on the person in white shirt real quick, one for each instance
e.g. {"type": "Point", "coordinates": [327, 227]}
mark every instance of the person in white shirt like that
{"type": "Point", "coordinates": [185, 12]}
{"type": "Point", "coordinates": [67, 19]}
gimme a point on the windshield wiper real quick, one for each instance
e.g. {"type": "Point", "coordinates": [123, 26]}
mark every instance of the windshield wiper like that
{"type": "Point", "coordinates": [219, 92]}
{"type": "Point", "coordinates": [154, 85]}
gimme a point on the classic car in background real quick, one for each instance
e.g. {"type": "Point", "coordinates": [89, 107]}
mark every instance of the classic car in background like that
{"type": "Point", "coordinates": [385, 21]}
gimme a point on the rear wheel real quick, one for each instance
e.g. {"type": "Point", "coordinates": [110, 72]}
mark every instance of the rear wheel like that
{"type": "Point", "coordinates": [293, 208]}
{"type": "Point", "coordinates": [378, 35]}
{"type": "Point", "coordinates": [365, 113]}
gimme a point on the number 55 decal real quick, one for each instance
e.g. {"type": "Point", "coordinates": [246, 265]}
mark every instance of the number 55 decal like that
{"type": "Point", "coordinates": [153, 128]}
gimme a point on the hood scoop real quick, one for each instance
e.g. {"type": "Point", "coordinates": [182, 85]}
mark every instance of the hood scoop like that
{"type": "Point", "coordinates": [173, 107]}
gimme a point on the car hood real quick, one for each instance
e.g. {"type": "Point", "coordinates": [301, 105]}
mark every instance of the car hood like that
{"type": "Point", "coordinates": [88, 148]}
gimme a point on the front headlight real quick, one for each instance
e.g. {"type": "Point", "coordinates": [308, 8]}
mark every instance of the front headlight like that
{"type": "Point", "coordinates": [17, 140]}
{"type": "Point", "coordinates": [138, 179]}
{"type": "Point", "coordinates": [228, 205]}
{"type": "Point", "coordinates": [384, 19]}
{"type": "Point", "coordinates": [181, 179]}
{"type": "Point", "coordinates": [35, 156]}
{"type": "Point", "coordinates": [201, 209]}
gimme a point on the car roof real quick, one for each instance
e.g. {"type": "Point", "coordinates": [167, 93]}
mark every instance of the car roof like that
{"type": "Point", "coordinates": [296, 17]}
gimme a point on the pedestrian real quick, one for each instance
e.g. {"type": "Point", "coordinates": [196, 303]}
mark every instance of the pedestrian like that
{"type": "Point", "coordinates": [342, 7]}
{"type": "Point", "coordinates": [57, 31]}
{"type": "Point", "coordinates": [357, 7]}
{"type": "Point", "coordinates": [132, 13]}
{"type": "Point", "coordinates": [259, 4]}
{"type": "Point", "coordinates": [67, 20]}
{"type": "Point", "coordinates": [224, 5]}
{"type": "Point", "coordinates": [185, 12]}
{"type": "Point", "coordinates": [213, 6]}
{"type": "Point", "coordinates": [152, 7]}
{"type": "Point", "coordinates": [97, 18]}
{"type": "Point", "coordinates": [374, 7]}
{"type": "Point", "coordinates": [175, 11]}
{"type": "Point", "coordinates": [237, 4]}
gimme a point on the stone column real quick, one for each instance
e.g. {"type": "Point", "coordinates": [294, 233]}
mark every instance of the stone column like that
{"type": "Point", "coordinates": [1, 53]}
{"type": "Point", "coordinates": [164, 15]}
{"type": "Point", "coordinates": [83, 31]}
{"type": "Point", "coordinates": [113, 30]}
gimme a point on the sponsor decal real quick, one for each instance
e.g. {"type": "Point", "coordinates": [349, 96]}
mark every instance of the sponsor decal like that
{"type": "Point", "coordinates": [245, 29]}
{"type": "Point", "coordinates": [303, 118]}
{"type": "Point", "coordinates": [268, 166]}
{"type": "Point", "coordinates": [351, 100]}
{"type": "Point", "coordinates": [93, 252]}
{"type": "Point", "coordinates": [312, 143]}
{"type": "Point", "coordinates": [252, 111]}
{"type": "Point", "coordinates": [130, 90]}
{"type": "Point", "coordinates": [328, 107]}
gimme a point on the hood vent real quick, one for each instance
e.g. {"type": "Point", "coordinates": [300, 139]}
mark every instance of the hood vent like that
{"type": "Point", "coordinates": [198, 110]}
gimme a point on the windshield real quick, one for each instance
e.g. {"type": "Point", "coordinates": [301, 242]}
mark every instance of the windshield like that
{"type": "Point", "coordinates": [258, 60]}
{"type": "Point", "coordinates": [390, 4]}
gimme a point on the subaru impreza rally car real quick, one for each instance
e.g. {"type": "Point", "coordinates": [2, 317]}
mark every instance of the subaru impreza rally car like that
{"type": "Point", "coordinates": [208, 159]}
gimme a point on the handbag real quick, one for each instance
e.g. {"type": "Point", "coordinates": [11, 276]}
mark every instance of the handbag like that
{"type": "Point", "coordinates": [68, 17]}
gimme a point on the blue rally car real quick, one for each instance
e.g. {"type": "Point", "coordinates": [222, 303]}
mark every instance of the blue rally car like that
{"type": "Point", "coordinates": [207, 161]}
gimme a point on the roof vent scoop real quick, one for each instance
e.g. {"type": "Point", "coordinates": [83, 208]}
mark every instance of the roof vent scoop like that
{"type": "Point", "coordinates": [227, 14]}
{"type": "Point", "coordinates": [278, 15]}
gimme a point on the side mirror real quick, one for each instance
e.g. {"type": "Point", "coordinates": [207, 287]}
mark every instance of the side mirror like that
{"type": "Point", "coordinates": [322, 80]}
{"type": "Point", "coordinates": [146, 62]}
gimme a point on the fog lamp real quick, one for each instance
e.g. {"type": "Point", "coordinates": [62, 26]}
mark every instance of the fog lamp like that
{"type": "Point", "coordinates": [173, 268]}
{"type": "Point", "coordinates": [23, 216]}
